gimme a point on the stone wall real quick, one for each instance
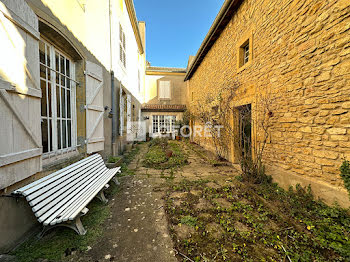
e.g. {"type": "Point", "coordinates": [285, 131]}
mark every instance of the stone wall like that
{"type": "Point", "coordinates": [301, 57]}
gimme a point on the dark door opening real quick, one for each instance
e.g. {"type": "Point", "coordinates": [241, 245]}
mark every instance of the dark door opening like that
{"type": "Point", "coordinates": [245, 131]}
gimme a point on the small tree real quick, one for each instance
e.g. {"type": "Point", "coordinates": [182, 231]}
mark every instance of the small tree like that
{"type": "Point", "coordinates": [218, 109]}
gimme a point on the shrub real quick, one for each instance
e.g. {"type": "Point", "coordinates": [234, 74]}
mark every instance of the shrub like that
{"type": "Point", "coordinates": [113, 159]}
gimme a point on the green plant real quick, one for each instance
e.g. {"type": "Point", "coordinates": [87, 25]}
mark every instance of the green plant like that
{"type": "Point", "coordinates": [189, 220]}
{"type": "Point", "coordinates": [113, 159]}
{"type": "Point", "coordinates": [345, 174]}
{"type": "Point", "coordinates": [162, 142]}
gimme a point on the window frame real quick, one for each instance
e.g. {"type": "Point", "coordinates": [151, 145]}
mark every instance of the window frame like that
{"type": "Point", "coordinates": [168, 122]}
{"type": "Point", "coordinates": [245, 51]}
{"type": "Point", "coordinates": [50, 53]}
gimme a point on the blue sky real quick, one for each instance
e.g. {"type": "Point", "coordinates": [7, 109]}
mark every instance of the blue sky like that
{"type": "Point", "coordinates": [175, 28]}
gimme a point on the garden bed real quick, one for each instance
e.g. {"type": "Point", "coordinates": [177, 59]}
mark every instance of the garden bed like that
{"type": "Point", "coordinates": [236, 222]}
{"type": "Point", "coordinates": [164, 154]}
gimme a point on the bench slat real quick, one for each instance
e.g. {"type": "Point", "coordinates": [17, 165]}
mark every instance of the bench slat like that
{"type": "Point", "coordinates": [50, 189]}
{"type": "Point", "coordinates": [44, 179]}
{"type": "Point", "coordinates": [108, 178]}
{"type": "Point", "coordinates": [77, 206]}
{"type": "Point", "coordinates": [58, 176]}
{"type": "Point", "coordinates": [59, 196]}
{"type": "Point", "coordinates": [53, 213]}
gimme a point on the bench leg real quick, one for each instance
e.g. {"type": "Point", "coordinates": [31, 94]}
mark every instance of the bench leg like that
{"type": "Point", "coordinates": [101, 196]}
{"type": "Point", "coordinates": [115, 180]}
{"type": "Point", "coordinates": [76, 225]}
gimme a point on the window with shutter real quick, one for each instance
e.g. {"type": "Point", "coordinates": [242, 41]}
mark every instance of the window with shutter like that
{"type": "Point", "coordinates": [164, 90]}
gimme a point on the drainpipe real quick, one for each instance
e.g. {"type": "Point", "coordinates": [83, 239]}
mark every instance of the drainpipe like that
{"type": "Point", "coordinates": [112, 81]}
{"type": "Point", "coordinates": [114, 115]}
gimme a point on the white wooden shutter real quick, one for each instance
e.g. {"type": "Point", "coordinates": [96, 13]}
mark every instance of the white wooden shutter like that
{"type": "Point", "coordinates": [164, 89]}
{"type": "Point", "coordinates": [94, 108]}
{"type": "Point", "coordinates": [167, 89]}
{"type": "Point", "coordinates": [20, 93]}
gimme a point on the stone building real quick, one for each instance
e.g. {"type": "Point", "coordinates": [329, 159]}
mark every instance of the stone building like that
{"type": "Point", "coordinates": [165, 99]}
{"type": "Point", "coordinates": [71, 76]}
{"type": "Point", "coordinates": [297, 52]}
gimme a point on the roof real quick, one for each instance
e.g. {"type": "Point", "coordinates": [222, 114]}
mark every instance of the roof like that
{"type": "Point", "coordinates": [134, 23]}
{"type": "Point", "coordinates": [166, 69]}
{"type": "Point", "coordinates": [163, 108]}
{"type": "Point", "coordinates": [157, 70]}
{"type": "Point", "coordinates": [222, 19]}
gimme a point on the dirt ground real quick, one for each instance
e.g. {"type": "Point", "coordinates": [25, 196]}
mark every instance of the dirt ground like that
{"type": "Point", "coordinates": [137, 230]}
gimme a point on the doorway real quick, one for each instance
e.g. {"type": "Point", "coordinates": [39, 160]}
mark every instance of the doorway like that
{"type": "Point", "coordinates": [245, 131]}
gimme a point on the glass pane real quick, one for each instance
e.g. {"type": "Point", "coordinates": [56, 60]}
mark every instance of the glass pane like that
{"type": "Point", "coordinates": [59, 134]}
{"type": "Point", "coordinates": [64, 134]}
{"type": "Point", "coordinates": [69, 129]}
{"type": "Point", "coordinates": [62, 65]}
{"type": "Point", "coordinates": [43, 98]}
{"type": "Point", "coordinates": [50, 132]}
{"type": "Point", "coordinates": [63, 102]}
{"type": "Point", "coordinates": [42, 52]}
{"type": "Point", "coordinates": [48, 56]}
{"type": "Point", "coordinates": [63, 81]}
{"type": "Point", "coordinates": [44, 135]}
{"type": "Point", "coordinates": [67, 67]}
{"type": "Point", "coordinates": [57, 62]}
{"type": "Point", "coordinates": [68, 83]}
{"type": "Point", "coordinates": [49, 98]}
{"type": "Point", "coordinates": [42, 71]}
{"type": "Point", "coordinates": [57, 78]}
{"type": "Point", "coordinates": [68, 104]}
{"type": "Point", "coordinates": [58, 100]}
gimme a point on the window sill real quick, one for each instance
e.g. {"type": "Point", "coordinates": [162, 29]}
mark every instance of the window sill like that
{"type": "Point", "coordinates": [51, 158]}
{"type": "Point", "coordinates": [244, 67]}
{"type": "Point", "coordinates": [164, 99]}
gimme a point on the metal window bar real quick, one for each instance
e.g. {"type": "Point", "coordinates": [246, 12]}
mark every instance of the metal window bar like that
{"type": "Point", "coordinates": [246, 53]}
{"type": "Point", "coordinates": [57, 72]}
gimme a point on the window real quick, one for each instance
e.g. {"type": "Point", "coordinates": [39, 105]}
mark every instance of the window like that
{"type": "Point", "coordinates": [122, 46]}
{"type": "Point", "coordinates": [163, 124]}
{"type": "Point", "coordinates": [58, 99]}
{"type": "Point", "coordinates": [155, 125]}
{"type": "Point", "coordinates": [164, 90]}
{"type": "Point", "coordinates": [245, 51]}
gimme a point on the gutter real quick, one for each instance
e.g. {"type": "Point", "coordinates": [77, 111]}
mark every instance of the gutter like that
{"type": "Point", "coordinates": [226, 7]}
{"type": "Point", "coordinates": [133, 19]}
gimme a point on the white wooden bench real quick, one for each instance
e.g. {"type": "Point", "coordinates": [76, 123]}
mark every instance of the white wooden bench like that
{"type": "Point", "coordinates": [60, 199]}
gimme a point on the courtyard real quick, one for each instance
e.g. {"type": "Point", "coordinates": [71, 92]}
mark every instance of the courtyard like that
{"type": "Point", "coordinates": [189, 207]}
